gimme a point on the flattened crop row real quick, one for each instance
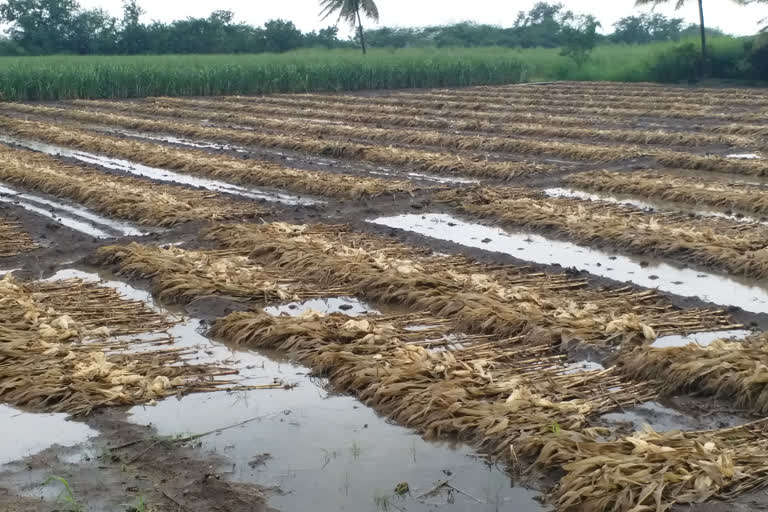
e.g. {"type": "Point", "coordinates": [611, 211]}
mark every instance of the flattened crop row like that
{"type": "Point", "coordinates": [404, 157]}
{"type": "Point", "coordinates": [234, 112]}
{"type": "Point", "coordinates": [179, 276]}
{"type": "Point", "coordinates": [597, 109]}
{"type": "Point", "coordinates": [694, 191]}
{"type": "Point", "coordinates": [527, 94]}
{"type": "Point", "coordinates": [479, 119]}
{"type": "Point", "coordinates": [735, 247]}
{"type": "Point", "coordinates": [13, 239]}
{"type": "Point", "coordinates": [127, 198]}
{"type": "Point", "coordinates": [244, 172]}
{"type": "Point", "coordinates": [385, 135]}
{"type": "Point", "coordinates": [481, 302]}
{"type": "Point", "coordinates": [59, 361]}
{"type": "Point", "coordinates": [655, 89]}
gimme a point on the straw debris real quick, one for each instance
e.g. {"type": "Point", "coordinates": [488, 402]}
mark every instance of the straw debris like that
{"type": "Point", "coordinates": [668, 187]}
{"type": "Point", "coordinates": [65, 349]}
{"type": "Point", "coordinates": [13, 239]}
{"type": "Point", "coordinates": [179, 276]}
{"type": "Point", "coordinates": [736, 371]}
{"type": "Point", "coordinates": [128, 198]}
{"type": "Point", "coordinates": [403, 157]}
{"type": "Point", "coordinates": [739, 248]}
{"type": "Point", "coordinates": [509, 301]}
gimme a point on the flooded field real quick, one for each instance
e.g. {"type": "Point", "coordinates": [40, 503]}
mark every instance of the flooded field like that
{"type": "Point", "coordinates": [443, 300]}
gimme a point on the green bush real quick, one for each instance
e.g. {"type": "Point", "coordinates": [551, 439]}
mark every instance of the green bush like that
{"type": "Point", "coordinates": [759, 57]}
{"type": "Point", "coordinates": [676, 64]}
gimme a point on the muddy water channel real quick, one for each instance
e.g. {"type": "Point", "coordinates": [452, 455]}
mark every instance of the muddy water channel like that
{"type": "Point", "coordinates": [311, 450]}
{"type": "Point", "coordinates": [686, 281]}
{"type": "Point", "coordinates": [154, 173]}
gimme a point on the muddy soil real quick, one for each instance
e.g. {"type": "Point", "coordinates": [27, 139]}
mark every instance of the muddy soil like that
{"type": "Point", "coordinates": [122, 467]}
{"type": "Point", "coordinates": [312, 450]}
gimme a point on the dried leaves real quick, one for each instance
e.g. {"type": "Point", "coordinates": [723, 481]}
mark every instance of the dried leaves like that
{"type": "Point", "coordinates": [64, 347]}
{"type": "Point", "coordinates": [690, 190]}
{"type": "Point", "coordinates": [736, 247]}
{"type": "Point", "coordinates": [13, 239]}
{"type": "Point", "coordinates": [127, 198]}
{"type": "Point", "coordinates": [651, 471]}
{"type": "Point", "coordinates": [179, 276]}
{"type": "Point", "coordinates": [734, 371]}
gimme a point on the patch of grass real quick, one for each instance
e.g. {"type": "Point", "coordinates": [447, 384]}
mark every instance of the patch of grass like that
{"type": "Point", "coordinates": [66, 497]}
{"type": "Point", "coordinates": [66, 77]}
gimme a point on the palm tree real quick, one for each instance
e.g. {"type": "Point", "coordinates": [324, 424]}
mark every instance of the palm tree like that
{"type": "Point", "coordinates": [349, 10]}
{"type": "Point", "coordinates": [678, 5]}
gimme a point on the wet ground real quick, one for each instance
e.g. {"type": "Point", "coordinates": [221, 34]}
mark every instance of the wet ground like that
{"type": "Point", "coordinates": [298, 447]}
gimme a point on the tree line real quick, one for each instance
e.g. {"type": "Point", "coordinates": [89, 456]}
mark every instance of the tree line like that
{"type": "Point", "coordinates": [39, 27]}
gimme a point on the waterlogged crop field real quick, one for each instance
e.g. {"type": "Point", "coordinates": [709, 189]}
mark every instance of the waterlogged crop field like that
{"type": "Point", "coordinates": [530, 297]}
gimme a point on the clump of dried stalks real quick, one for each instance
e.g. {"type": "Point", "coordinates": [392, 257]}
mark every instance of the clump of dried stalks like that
{"type": "Point", "coordinates": [606, 95]}
{"type": "Point", "coordinates": [243, 172]}
{"type": "Point", "coordinates": [478, 104]}
{"type": "Point", "coordinates": [736, 371]}
{"type": "Point", "coordinates": [64, 349]}
{"type": "Point", "coordinates": [691, 190]}
{"type": "Point", "coordinates": [487, 391]}
{"type": "Point", "coordinates": [509, 302]}
{"type": "Point", "coordinates": [404, 157]}
{"type": "Point", "coordinates": [650, 471]}
{"type": "Point", "coordinates": [739, 248]}
{"type": "Point", "coordinates": [13, 239]}
{"type": "Point", "coordinates": [179, 276]}
{"type": "Point", "coordinates": [234, 113]}
{"type": "Point", "coordinates": [127, 198]}
{"type": "Point", "coordinates": [414, 116]}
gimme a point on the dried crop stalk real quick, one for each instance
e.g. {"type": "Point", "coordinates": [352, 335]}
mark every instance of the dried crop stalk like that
{"type": "Point", "coordinates": [471, 104]}
{"type": "Point", "coordinates": [243, 115]}
{"type": "Point", "coordinates": [491, 393]}
{"type": "Point", "coordinates": [690, 190]}
{"type": "Point", "coordinates": [127, 198]}
{"type": "Point", "coordinates": [179, 276]}
{"type": "Point", "coordinates": [64, 349]}
{"type": "Point", "coordinates": [739, 248]}
{"type": "Point", "coordinates": [507, 302]}
{"type": "Point", "coordinates": [736, 371]}
{"type": "Point", "coordinates": [721, 99]}
{"type": "Point", "coordinates": [13, 239]}
{"type": "Point", "coordinates": [404, 157]}
{"type": "Point", "coordinates": [651, 471]}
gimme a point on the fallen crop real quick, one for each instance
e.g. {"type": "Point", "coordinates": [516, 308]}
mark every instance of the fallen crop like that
{"type": "Point", "coordinates": [13, 239]}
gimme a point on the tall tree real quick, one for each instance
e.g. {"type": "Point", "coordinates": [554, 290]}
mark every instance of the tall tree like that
{"type": "Point", "coordinates": [350, 11]}
{"type": "Point", "coordinates": [679, 4]}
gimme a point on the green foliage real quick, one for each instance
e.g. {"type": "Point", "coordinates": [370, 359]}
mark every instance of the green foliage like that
{"type": "Point", "coordinates": [67, 495]}
{"type": "Point", "coordinates": [647, 28]}
{"type": "Point", "coordinates": [759, 57]}
{"type": "Point", "coordinates": [580, 38]}
{"type": "Point", "coordinates": [60, 77]}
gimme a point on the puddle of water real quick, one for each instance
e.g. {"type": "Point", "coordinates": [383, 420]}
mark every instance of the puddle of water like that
{"type": "Point", "coordinates": [701, 338]}
{"type": "Point", "coordinates": [644, 272]}
{"type": "Point", "coordinates": [158, 174]}
{"type": "Point", "coordinates": [349, 306]}
{"type": "Point", "coordinates": [664, 419]}
{"type": "Point", "coordinates": [28, 433]}
{"type": "Point", "coordinates": [583, 366]}
{"type": "Point", "coordinates": [173, 140]}
{"type": "Point", "coordinates": [325, 451]}
{"type": "Point", "coordinates": [425, 177]}
{"type": "Point", "coordinates": [81, 219]}
{"type": "Point", "coordinates": [593, 196]}
{"type": "Point", "coordinates": [744, 156]}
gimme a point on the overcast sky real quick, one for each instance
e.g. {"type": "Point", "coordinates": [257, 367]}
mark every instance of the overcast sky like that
{"type": "Point", "coordinates": [304, 13]}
